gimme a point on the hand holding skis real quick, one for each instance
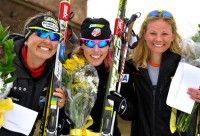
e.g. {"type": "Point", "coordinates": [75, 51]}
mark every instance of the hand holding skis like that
{"type": "Point", "coordinates": [61, 95]}
{"type": "Point", "coordinates": [120, 103]}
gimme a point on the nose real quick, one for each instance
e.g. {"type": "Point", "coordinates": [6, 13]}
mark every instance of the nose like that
{"type": "Point", "coordinates": [158, 37]}
{"type": "Point", "coordinates": [96, 48]}
{"type": "Point", "coordinates": [47, 39]}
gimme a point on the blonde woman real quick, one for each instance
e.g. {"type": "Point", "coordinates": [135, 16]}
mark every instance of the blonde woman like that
{"type": "Point", "coordinates": [153, 64]}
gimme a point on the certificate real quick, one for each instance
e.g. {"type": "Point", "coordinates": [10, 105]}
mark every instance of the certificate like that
{"type": "Point", "coordinates": [20, 119]}
{"type": "Point", "coordinates": [186, 76]}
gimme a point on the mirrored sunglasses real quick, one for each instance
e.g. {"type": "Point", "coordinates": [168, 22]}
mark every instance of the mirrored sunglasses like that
{"type": "Point", "coordinates": [91, 43]}
{"type": "Point", "coordinates": [45, 34]}
{"type": "Point", "coordinates": [162, 13]}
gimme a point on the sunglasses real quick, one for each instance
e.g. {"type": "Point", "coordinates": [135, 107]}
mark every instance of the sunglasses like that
{"type": "Point", "coordinates": [91, 43]}
{"type": "Point", "coordinates": [162, 13]}
{"type": "Point", "coordinates": [45, 34]}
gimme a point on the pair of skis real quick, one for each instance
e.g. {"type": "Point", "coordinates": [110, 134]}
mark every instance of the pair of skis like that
{"type": "Point", "coordinates": [123, 29]}
{"type": "Point", "coordinates": [51, 112]}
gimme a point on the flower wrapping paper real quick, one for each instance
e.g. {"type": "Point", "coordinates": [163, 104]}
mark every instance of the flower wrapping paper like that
{"type": "Point", "coordinates": [80, 80]}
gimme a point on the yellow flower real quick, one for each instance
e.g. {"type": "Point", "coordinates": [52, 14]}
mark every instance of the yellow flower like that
{"type": "Point", "coordinates": [80, 60]}
{"type": "Point", "coordinates": [74, 63]}
{"type": "Point", "coordinates": [69, 65]}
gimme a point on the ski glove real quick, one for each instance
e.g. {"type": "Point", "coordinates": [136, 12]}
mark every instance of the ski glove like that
{"type": "Point", "coordinates": [120, 103]}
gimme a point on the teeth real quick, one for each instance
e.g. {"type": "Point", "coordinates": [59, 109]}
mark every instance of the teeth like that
{"type": "Point", "coordinates": [43, 48]}
{"type": "Point", "coordinates": [96, 56]}
{"type": "Point", "coordinates": [158, 45]}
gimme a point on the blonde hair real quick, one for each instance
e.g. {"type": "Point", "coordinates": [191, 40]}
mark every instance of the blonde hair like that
{"type": "Point", "coordinates": [141, 54]}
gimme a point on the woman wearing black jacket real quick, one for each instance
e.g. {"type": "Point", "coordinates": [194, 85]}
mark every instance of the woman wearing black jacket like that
{"type": "Point", "coordinates": [95, 47]}
{"type": "Point", "coordinates": [34, 64]}
{"type": "Point", "coordinates": [153, 64]}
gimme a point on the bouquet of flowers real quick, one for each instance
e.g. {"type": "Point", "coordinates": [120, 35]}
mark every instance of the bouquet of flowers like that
{"type": "Point", "coordinates": [191, 55]}
{"type": "Point", "coordinates": [6, 67]}
{"type": "Point", "coordinates": [81, 82]}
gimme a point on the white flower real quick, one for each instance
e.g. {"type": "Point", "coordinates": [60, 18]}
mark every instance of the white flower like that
{"type": "Point", "coordinates": [5, 88]}
{"type": "Point", "coordinates": [191, 52]}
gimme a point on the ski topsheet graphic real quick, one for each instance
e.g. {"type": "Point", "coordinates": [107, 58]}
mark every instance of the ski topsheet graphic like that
{"type": "Point", "coordinates": [51, 109]}
{"type": "Point", "coordinates": [122, 29]}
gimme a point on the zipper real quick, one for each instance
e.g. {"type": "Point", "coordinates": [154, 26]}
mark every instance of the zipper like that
{"type": "Point", "coordinates": [153, 115]}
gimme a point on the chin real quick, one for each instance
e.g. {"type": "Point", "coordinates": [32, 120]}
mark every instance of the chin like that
{"type": "Point", "coordinates": [95, 64]}
{"type": "Point", "coordinates": [45, 57]}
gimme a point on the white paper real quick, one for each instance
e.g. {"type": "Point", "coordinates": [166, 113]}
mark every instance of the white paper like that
{"type": "Point", "coordinates": [186, 76]}
{"type": "Point", "coordinates": [20, 119]}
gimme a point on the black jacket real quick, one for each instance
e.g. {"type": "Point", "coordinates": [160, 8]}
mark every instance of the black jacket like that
{"type": "Point", "coordinates": [147, 106]}
{"type": "Point", "coordinates": [27, 91]}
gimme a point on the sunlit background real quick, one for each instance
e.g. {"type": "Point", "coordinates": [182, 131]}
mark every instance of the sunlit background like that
{"type": "Point", "coordinates": [186, 12]}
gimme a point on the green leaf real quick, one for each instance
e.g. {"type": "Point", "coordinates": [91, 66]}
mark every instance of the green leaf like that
{"type": "Point", "coordinates": [7, 60]}
{"type": "Point", "coordinates": [6, 70]}
{"type": "Point", "coordinates": [3, 32]}
{"type": "Point", "coordinates": [9, 80]}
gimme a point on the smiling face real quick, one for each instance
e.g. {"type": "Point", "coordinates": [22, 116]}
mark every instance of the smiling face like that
{"type": "Point", "coordinates": [40, 49]}
{"type": "Point", "coordinates": [95, 55]}
{"type": "Point", "coordinates": [158, 36]}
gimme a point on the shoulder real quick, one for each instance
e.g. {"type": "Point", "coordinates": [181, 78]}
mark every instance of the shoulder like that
{"type": "Point", "coordinates": [16, 36]}
{"type": "Point", "coordinates": [172, 56]}
{"type": "Point", "coordinates": [130, 66]}
{"type": "Point", "coordinates": [128, 71]}
{"type": "Point", "coordinates": [18, 41]}
{"type": "Point", "coordinates": [171, 59]}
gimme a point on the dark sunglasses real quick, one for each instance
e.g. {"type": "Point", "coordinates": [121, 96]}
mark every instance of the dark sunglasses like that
{"type": "Point", "coordinates": [91, 43]}
{"type": "Point", "coordinates": [162, 13]}
{"type": "Point", "coordinates": [45, 34]}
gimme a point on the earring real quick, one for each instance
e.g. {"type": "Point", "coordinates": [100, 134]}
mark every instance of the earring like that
{"type": "Point", "coordinates": [25, 44]}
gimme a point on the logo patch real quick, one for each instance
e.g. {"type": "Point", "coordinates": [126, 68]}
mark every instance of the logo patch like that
{"type": "Point", "coordinates": [50, 25]}
{"type": "Point", "coordinates": [96, 25]}
{"type": "Point", "coordinates": [96, 32]}
{"type": "Point", "coordinates": [125, 78]}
